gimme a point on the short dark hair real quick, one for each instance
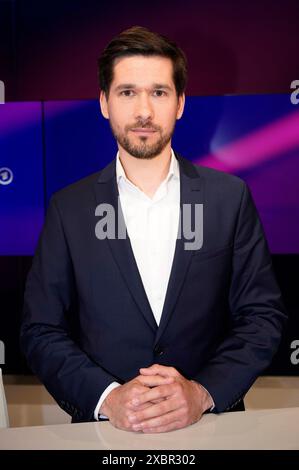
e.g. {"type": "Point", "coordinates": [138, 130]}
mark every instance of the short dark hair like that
{"type": "Point", "coordinates": [140, 41]}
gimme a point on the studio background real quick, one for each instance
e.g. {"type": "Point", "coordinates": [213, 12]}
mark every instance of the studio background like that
{"type": "Point", "coordinates": [243, 57]}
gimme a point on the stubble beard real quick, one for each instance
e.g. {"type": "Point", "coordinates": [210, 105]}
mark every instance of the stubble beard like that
{"type": "Point", "coordinates": [142, 150]}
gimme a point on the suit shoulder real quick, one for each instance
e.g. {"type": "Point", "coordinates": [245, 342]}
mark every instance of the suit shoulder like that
{"type": "Point", "coordinates": [81, 186]}
{"type": "Point", "coordinates": [211, 173]}
{"type": "Point", "coordinates": [220, 178]}
{"type": "Point", "coordinates": [78, 192]}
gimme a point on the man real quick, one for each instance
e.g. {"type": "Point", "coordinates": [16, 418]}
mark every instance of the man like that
{"type": "Point", "coordinates": [143, 329]}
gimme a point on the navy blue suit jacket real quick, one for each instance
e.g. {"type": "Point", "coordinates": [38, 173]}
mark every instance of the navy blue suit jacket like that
{"type": "Point", "coordinates": [87, 320]}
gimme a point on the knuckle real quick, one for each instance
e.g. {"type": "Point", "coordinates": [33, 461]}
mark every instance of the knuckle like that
{"type": "Point", "coordinates": [127, 424]}
{"type": "Point", "coordinates": [184, 402]}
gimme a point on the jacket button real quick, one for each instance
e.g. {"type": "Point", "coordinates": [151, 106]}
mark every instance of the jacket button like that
{"type": "Point", "coordinates": [158, 351]}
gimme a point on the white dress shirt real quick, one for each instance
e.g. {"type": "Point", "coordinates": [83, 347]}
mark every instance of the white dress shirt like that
{"type": "Point", "coordinates": [152, 226]}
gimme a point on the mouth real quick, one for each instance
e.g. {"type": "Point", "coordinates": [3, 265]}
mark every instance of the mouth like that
{"type": "Point", "coordinates": [143, 131]}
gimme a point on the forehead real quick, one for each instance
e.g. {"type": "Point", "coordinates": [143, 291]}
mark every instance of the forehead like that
{"type": "Point", "coordinates": [142, 70]}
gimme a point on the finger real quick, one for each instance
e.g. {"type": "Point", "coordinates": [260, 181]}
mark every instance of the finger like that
{"type": "Point", "coordinates": [153, 402]}
{"type": "Point", "coordinates": [161, 391]}
{"type": "Point", "coordinates": [167, 428]}
{"type": "Point", "coordinates": [141, 407]}
{"type": "Point", "coordinates": [163, 420]}
{"type": "Point", "coordinates": [135, 387]}
{"type": "Point", "coordinates": [158, 400]}
{"type": "Point", "coordinates": [154, 380]}
{"type": "Point", "coordinates": [155, 369]}
{"type": "Point", "coordinates": [135, 408]}
{"type": "Point", "coordinates": [153, 411]}
{"type": "Point", "coordinates": [138, 388]}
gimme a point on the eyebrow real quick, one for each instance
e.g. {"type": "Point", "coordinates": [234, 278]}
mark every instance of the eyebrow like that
{"type": "Point", "coordinates": [126, 86]}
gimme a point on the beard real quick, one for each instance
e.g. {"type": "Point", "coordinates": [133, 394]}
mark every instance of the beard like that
{"type": "Point", "coordinates": [142, 150]}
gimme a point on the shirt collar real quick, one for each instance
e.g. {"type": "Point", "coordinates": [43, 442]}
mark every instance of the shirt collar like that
{"type": "Point", "coordinates": [172, 172]}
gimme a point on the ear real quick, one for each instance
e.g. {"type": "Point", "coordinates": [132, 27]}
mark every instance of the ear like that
{"type": "Point", "coordinates": [181, 105]}
{"type": "Point", "coordinates": [104, 105]}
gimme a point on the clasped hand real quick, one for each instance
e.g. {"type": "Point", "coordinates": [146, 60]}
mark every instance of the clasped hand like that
{"type": "Point", "coordinates": [160, 399]}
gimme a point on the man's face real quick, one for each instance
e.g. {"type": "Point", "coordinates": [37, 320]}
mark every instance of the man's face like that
{"type": "Point", "coordinates": [142, 106]}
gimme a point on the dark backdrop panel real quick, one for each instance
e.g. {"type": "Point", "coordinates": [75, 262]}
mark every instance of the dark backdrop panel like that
{"type": "Point", "coordinates": [286, 268]}
{"type": "Point", "coordinates": [232, 46]}
{"type": "Point", "coordinates": [7, 49]}
{"type": "Point", "coordinates": [13, 273]}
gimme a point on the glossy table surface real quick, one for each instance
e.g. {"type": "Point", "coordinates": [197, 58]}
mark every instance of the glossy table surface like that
{"type": "Point", "coordinates": [258, 429]}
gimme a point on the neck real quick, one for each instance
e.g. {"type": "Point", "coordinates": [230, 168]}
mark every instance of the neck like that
{"type": "Point", "coordinates": [147, 175]}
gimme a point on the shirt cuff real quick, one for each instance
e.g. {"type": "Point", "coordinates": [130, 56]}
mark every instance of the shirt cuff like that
{"type": "Point", "coordinates": [106, 392]}
{"type": "Point", "coordinates": [213, 406]}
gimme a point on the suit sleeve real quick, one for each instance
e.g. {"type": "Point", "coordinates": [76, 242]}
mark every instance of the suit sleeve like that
{"type": "Point", "coordinates": [257, 315]}
{"type": "Point", "coordinates": [71, 377]}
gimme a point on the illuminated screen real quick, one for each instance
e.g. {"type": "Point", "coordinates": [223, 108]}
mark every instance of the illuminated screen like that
{"type": "Point", "coordinates": [21, 177]}
{"type": "Point", "coordinates": [46, 146]}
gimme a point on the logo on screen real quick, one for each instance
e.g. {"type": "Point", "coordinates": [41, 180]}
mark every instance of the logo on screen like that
{"type": "Point", "coordinates": [6, 176]}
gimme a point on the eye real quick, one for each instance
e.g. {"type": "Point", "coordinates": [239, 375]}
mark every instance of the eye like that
{"type": "Point", "coordinates": [160, 93]}
{"type": "Point", "coordinates": [127, 93]}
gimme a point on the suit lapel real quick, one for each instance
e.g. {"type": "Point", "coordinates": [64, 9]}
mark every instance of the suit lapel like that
{"type": "Point", "coordinates": [191, 192]}
{"type": "Point", "coordinates": [107, 192]}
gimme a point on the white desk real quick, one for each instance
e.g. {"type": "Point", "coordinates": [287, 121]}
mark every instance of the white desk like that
{"type": "Point", "coordinates": [262, 429]}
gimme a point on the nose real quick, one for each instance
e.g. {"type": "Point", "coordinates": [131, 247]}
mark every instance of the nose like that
{"type": "Point", "coordinates": [144, 109]}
